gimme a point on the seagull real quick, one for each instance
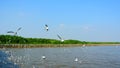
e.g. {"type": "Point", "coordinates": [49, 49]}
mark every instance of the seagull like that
{"type": "Point", "coordinates": [43, 57]}
{"type": "Point", "coordinates": [15, 33]}
{"type": "Point", "coordinates": [62, 40]}
{"type": "Point", "coordinates": [17, 30]}
{"type": "Point", "coordinates": [76, 60]}
{"type": "Point", "coordinates": [46, 27]}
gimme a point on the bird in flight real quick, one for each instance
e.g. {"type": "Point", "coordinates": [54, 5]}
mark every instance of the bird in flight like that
{"type": "Point", "coordinates": [61, 39]}
{"type": "Point", "coordinates": [46, 27]}
{"type": "Point", "coordinates": [15, 33]}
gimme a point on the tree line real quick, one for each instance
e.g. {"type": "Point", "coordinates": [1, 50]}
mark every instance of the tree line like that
{"type": "Point", "coordinates": [11, 39]}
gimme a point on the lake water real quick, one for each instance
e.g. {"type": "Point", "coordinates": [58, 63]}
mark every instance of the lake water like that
{"type": "Point", "coordinates": [71, 57]}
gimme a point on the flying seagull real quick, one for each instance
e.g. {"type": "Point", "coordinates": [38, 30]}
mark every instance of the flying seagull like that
{"type": "Point", "coordinates": [46, 27]}
{"type": "Point", "coordinates": [15, 33]}
{"type": "Point", "coordinates": [60, 38]}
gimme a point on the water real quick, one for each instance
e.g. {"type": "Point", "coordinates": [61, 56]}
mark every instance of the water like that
{"type": "Point", "coordinates": [4, 62]}
{"type": "Point", "coordinates": [87, 57]}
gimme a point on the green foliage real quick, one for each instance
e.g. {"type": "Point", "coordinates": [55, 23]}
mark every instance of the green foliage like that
{"type": "Point", "coordinates": [72, 42]}
{"type": "Point", "coordinates": [9, 39]}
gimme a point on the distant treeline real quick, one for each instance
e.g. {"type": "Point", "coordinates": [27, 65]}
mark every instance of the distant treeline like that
{"type": "Point", "coordinates": [10, 39]}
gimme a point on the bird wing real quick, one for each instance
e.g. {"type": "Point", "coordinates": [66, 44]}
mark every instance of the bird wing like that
{"type": "Point", "coordinates": [19, 29]}
{"type": "Point", "coordinates": [46, 25]}
{"type": "Point", "coordinates": [59, 37]}
{"type": "Point", "coordinates": [10, 32]}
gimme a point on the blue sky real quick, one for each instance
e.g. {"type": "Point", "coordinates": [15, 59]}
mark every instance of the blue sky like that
{"type": "Point", "coordinates": [86, 20]}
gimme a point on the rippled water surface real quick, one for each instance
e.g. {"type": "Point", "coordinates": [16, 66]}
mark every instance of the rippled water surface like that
{"type": "Point", "coordinates": [71, 57]}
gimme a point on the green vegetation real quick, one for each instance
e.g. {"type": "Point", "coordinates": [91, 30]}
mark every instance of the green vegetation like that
{"type": "Point", "coordinates": [8, 39]}
{"type": "Point", "coordinates": [15, 41]}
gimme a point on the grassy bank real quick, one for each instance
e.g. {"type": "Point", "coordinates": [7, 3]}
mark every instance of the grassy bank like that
{"type": "Point", "coordinates": [37, 45]}
{"type": "Point", "coordinates": [50, 45]}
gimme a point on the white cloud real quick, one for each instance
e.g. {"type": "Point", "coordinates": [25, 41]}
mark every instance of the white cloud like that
{"type": "Point", "coordinates": [87, 28]}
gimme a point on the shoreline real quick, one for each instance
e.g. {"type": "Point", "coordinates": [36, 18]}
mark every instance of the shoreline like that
{"type": "Point", "coordinates": [51, 45]}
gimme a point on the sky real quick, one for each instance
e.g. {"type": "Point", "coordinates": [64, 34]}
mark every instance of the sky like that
{"type": "Point", "coordinates": [84, 20]}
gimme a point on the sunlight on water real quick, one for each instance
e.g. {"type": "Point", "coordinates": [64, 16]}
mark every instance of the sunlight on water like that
{"type": "Point", "coordinates": [72, 57]}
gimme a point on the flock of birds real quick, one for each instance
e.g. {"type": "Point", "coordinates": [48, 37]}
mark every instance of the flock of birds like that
{"type": "Point", "coordinates": [62, 40]}
{"type": "Point", "coordinates": [47, 29]}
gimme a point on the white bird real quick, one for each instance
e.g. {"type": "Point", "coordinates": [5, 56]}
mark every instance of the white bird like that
{"type": "Point", "coordinates": [15, 33]}
{"type": "Point", "coordinates": [43, 57]}
{"type": "Point", "coordinates": [62, 40]}
{"type": "Point", "coordinates": [76, 60]}
{"type": "Point", "coordinates": [46, 27]}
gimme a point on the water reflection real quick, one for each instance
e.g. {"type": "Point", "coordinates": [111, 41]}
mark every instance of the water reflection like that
{"type": "Point", "coordinates": [72, 57]}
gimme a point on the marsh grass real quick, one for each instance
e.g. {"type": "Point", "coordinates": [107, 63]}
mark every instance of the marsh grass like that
{"type": "Point", "coordinates": [50, 45]}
